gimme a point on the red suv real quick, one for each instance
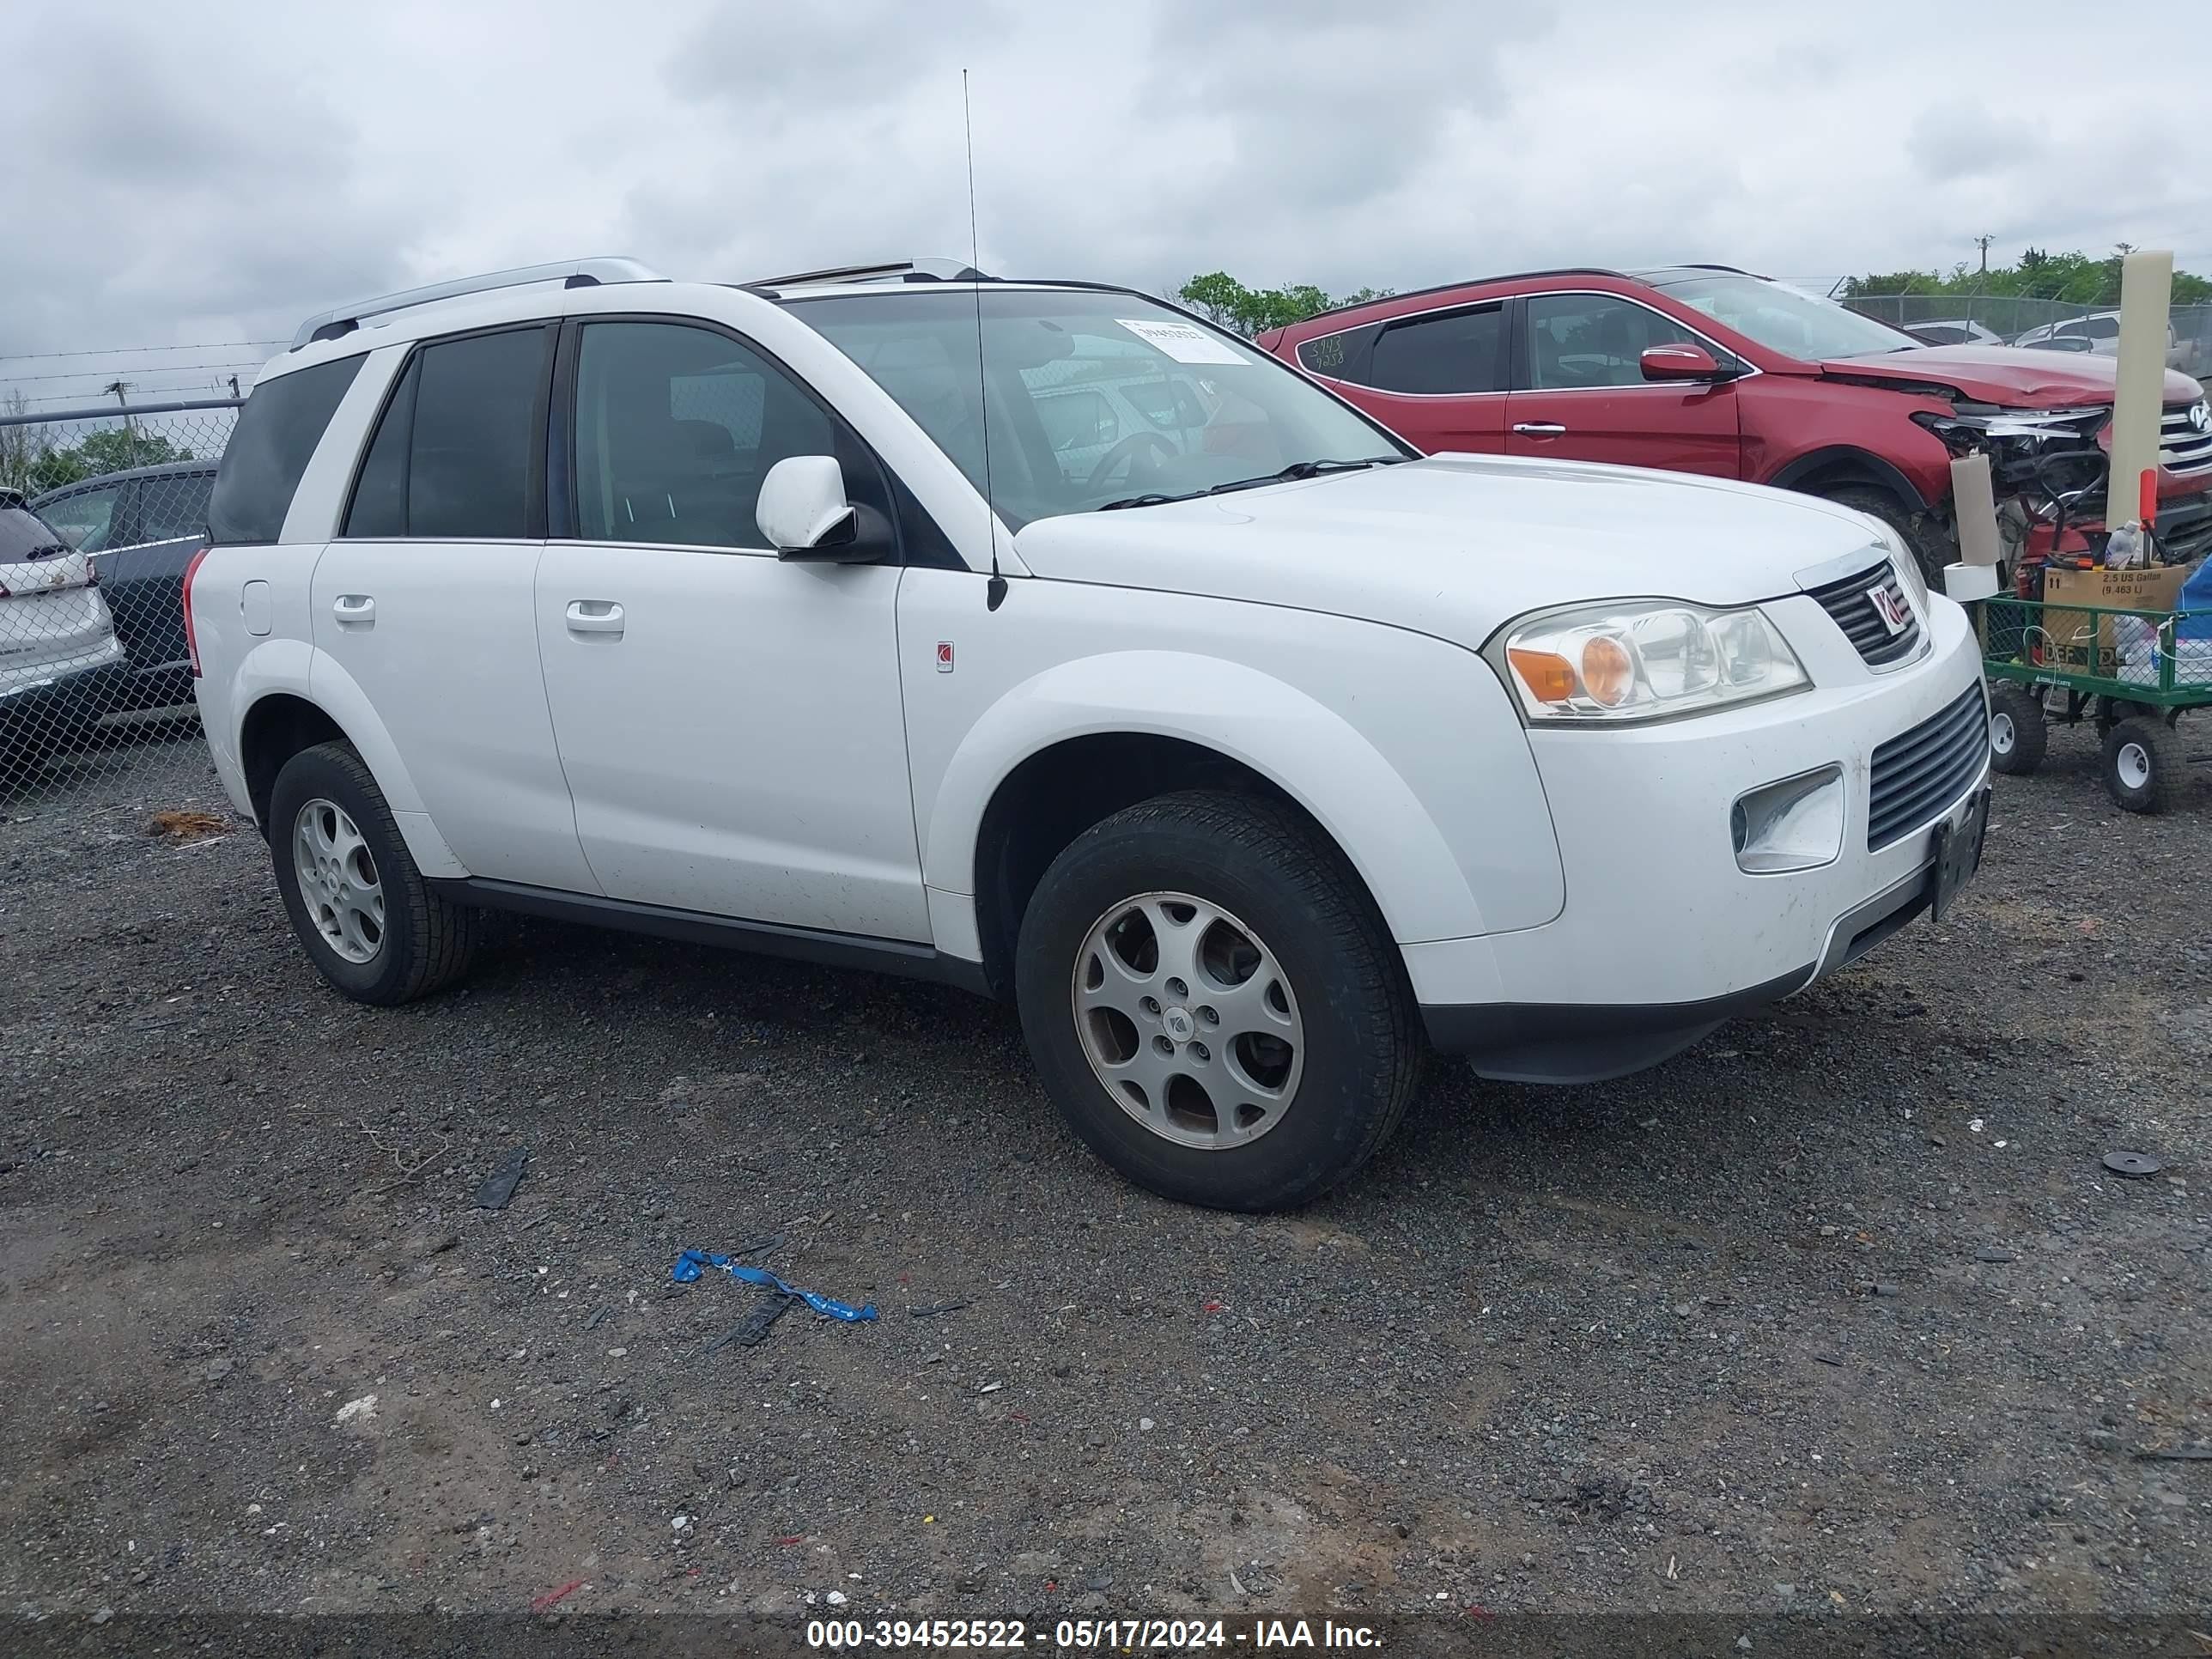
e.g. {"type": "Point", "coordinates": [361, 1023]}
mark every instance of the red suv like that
{"type": "Point", "coordinates": [1705, 368]}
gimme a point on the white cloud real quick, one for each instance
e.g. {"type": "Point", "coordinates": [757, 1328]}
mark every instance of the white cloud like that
{"type": "Point", "coordinates": [220, 175]}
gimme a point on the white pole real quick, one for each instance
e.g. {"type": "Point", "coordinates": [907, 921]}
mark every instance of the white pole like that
{"type": "Point", "coordinates": [2146, 285]}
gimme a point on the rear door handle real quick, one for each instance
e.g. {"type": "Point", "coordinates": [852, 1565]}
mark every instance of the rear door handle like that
{"type": "Point", "coordinates": [594, 616]}
{"type": "Point", "coordinates": [1539, 429]}
{"type": "Point", "coordinates": [356, 608]}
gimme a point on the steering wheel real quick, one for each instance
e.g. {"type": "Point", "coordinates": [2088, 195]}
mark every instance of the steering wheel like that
{"type": "Point", "coordinates": [1124, 450]}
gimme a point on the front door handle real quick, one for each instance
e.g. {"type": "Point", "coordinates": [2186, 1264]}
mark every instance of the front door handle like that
{"type": "Point", "coordinates": [1539, 429]}
{"type": "Point", "coordinates": [358, 609]}
{"type": "Point", "coordinates": [594, 616]}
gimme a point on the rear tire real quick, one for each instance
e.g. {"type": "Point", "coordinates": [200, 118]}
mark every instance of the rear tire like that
{"type": "Point", "coordinates": [1920, 539]}
{"type": "Point", "coordinates": [2143, 764]}
{"type": "Point", "coordinates": [370, 924]}
{"type": "Point", "coordinates": [2017, 733]}
{"type": "Point", "coordinates": [1279, 1048]}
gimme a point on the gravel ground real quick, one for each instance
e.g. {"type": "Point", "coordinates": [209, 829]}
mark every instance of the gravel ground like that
{"type": "Point", "coordinates": [1838, 1313]}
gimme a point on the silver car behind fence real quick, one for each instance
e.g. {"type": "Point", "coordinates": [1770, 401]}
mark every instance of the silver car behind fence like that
{"type": "Point", "coordinates": [100, 513]}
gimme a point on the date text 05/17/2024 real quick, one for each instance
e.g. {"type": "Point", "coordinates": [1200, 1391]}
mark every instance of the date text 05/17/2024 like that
{"type": "Point", "coordinates": [1083, 1635]}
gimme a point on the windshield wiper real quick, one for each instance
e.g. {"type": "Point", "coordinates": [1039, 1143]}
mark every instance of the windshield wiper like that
{"type": "Point", "coordinates": [1152, 498]}
{"type": "Point", "coordinates": [1298, 470]}
{"type": "Point", "coordinates": [1290, 474]}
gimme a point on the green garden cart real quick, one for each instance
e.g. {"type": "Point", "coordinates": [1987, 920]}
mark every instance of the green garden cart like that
{"type": "Point", "coordinates": [2131, 672]}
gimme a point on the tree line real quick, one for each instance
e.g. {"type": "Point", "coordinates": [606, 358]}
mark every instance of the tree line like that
{"type": "Point", "coordinates": [33, 461]}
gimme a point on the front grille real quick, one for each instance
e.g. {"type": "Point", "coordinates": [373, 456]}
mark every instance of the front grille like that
{"type": "Point", "coordinates": [1850, 603]}
{"type": "Point", "coordinates": [2185, 533]}
{"type": "Point", "coordinates": [1919, 773]}
{"type": "Point", "coordinates": [2187, 450]}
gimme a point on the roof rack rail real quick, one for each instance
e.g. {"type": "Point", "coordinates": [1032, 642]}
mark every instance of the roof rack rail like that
{"type": "Point", "coordinates": [1472, 281]}
{"type": "Point", "coordinates": [894, 271]}
{"type": "Point", "coordinates": [571, 273]}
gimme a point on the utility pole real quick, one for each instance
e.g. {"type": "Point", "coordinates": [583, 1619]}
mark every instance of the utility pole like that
{"type": "Point", "coordinates": [130, 431]}
{"type": "Point", "coordinates": [1983, 243]}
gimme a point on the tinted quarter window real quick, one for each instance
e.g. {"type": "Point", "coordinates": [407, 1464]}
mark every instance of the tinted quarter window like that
{"type": "Point", "coordinates": [1458, 351]}
{"type": "Point", "coordinates": [379, 494]}
{"type": "Point", "coordinates": [677, 427]}
{"type": "Point", "coordinates": [477, 426]}
{"type": "Point", "coordinates": [277, 432]}
{"type": "Point", "coordinates": [1341, 356]}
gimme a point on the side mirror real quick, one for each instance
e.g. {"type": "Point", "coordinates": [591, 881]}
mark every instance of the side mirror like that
{"type": "Point", "coordinates": [804, 513]}
{"type": "Point", "coordinates": [1683, 362]}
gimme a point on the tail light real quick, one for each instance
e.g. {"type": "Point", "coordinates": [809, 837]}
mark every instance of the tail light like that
{"type": "Point", "coordinates": [191, 634]}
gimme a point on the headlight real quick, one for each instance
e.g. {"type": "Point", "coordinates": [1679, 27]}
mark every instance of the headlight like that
{"type": "Point", "coordinates": [1643, 660]}
{"type": "Point", "coordinates": [1964, 429]}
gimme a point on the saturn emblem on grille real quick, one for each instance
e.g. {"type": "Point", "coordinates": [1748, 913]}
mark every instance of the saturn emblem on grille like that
{"type": "Point", "coordinates": [1889, 605]}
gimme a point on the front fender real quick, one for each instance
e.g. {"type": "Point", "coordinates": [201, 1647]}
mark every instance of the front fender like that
{"type": "Point", "coordinates": [1306, 749]}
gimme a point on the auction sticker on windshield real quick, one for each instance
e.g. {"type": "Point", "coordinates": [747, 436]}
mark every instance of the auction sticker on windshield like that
{"type": "Point", "coordinates": [1184, 342]}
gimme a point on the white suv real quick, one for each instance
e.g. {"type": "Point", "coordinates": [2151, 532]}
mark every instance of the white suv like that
{"type": "Point", "coordinates": [1252, 760]}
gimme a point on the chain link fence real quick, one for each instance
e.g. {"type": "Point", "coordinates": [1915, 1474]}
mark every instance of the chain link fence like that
{"type": "Point", "coordinates": [2043, 325]}
{"type": "Point", "coordinates": [100, 511]}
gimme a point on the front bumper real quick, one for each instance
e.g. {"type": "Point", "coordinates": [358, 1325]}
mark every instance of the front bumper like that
{"type": "Point", "coordinates": [1663, 937]}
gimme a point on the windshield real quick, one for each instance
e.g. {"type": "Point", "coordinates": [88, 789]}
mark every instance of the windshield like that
{"type": "Point", "coordinates": [1782, 320]}
{"type": "Point", "coordinates": [1095, 398]}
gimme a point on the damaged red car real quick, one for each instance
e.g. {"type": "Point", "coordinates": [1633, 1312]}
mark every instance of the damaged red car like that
{"type": "Point", "coordinates": [1706, 368]}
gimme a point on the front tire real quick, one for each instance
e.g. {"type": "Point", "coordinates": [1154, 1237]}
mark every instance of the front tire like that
{"type": "Point", "coordinates": [2142, 763]}
{"type": "Point", "coordinates": [1215, 1005]}
{"type": "Point", "coordinates": [2019, 734]}
{"type": "Point", "coordinates": [1920, 539]}
{"type": "Point", "coordinates": [370, 924]}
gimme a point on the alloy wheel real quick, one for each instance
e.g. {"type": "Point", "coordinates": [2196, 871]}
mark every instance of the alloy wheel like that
{"type": "Point", "coordinates": [1188, 1020]}
{"type": "Point", "coordinates": [338, 883]}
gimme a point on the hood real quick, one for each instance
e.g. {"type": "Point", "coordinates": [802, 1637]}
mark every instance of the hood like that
{"type": "Point", "coordinates": [1456, 545]}
{"type": "Point", "coordinates": [2011, 376]}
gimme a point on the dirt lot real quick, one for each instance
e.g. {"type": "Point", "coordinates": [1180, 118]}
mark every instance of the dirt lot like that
{"type": "Point", "coordinates": [1839, 1313]}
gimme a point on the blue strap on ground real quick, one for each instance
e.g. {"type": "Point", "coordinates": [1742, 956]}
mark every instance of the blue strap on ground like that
{"type": "Point", "coordinates": [692, 1263]}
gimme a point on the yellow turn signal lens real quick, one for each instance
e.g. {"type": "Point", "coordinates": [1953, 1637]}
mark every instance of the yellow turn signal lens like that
{"type": "Point", "coordinates": [1549, 676]}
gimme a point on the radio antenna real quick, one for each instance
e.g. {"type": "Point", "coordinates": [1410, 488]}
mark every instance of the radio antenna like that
{"type": "Point", "coordinates": [994, 593]}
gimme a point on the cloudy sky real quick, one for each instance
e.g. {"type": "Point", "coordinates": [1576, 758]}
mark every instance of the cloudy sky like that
{"type": "Point", "coordinates": [209, 175]}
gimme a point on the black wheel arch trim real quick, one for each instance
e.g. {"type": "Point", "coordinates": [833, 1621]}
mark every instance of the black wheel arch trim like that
{"type": "Point", "coordinates": [1844, 463]}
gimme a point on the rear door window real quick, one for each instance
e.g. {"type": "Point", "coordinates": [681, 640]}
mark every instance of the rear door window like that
{"type": "Point", "coordinates": [457, 453]}
{"type": "Point", "coordinates": [1454, 351]}
{"type": "Point", "coordinates": [277, 432]}
{"type": "Point", "coordinates": [174, 506]}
